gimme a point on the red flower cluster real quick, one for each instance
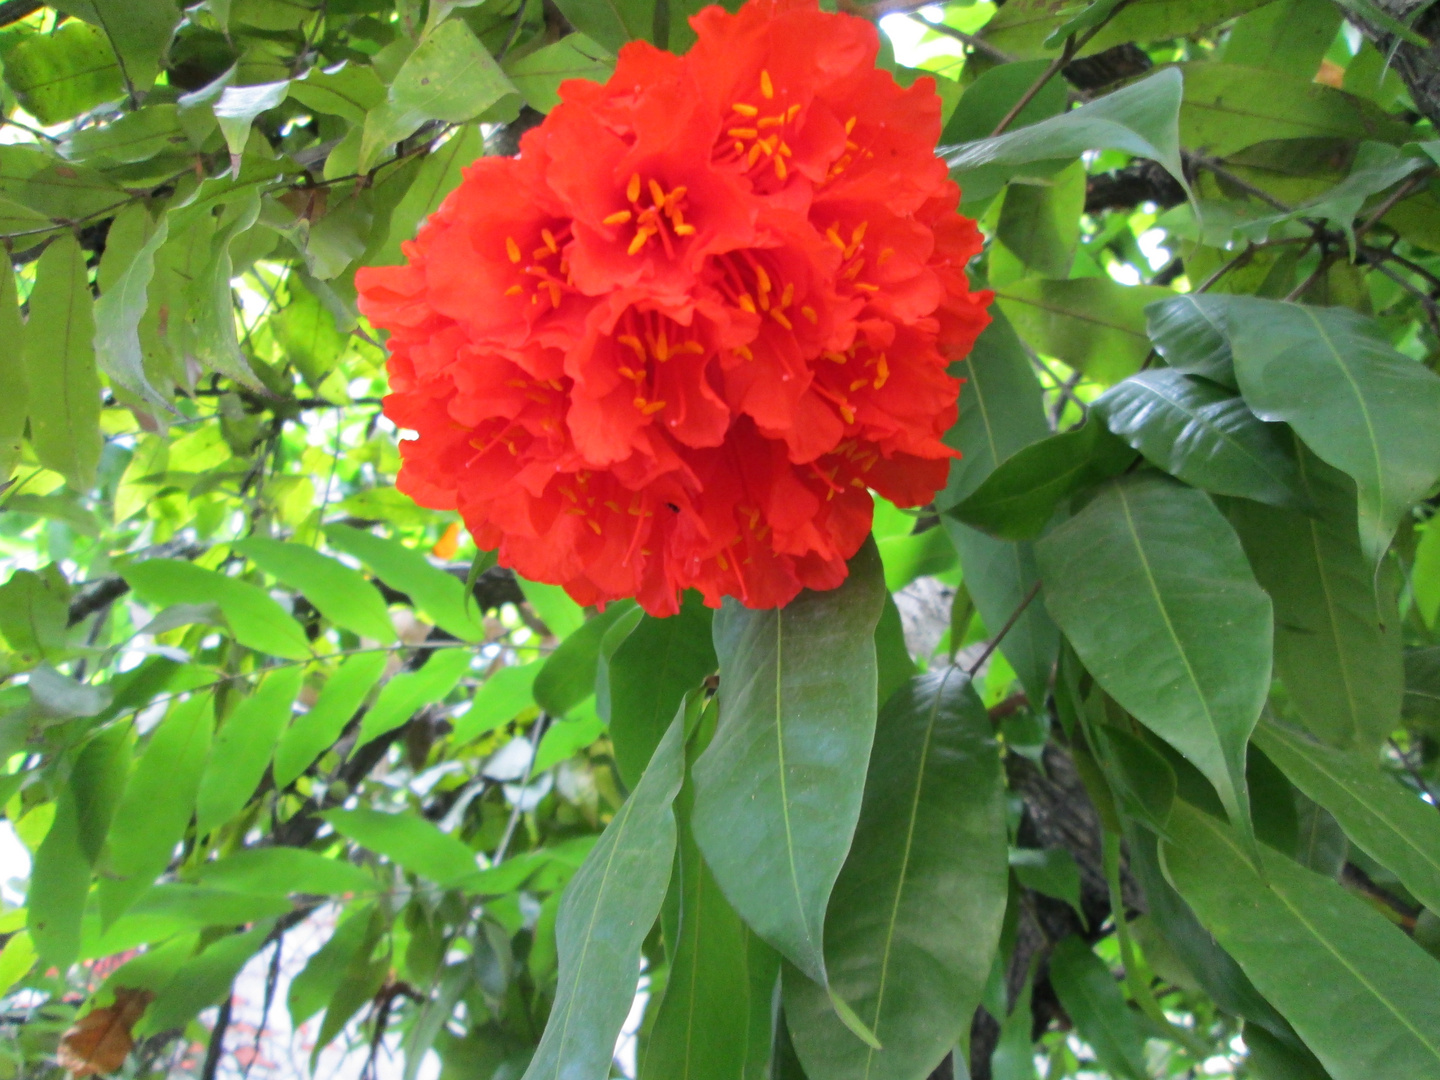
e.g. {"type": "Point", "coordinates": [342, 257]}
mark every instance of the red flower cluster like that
{"type": "Point", "coordinates": [677, 341]}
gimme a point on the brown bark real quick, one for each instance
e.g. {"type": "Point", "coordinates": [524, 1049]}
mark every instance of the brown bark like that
{"type": "Point", "coordinates": [1418, 65]}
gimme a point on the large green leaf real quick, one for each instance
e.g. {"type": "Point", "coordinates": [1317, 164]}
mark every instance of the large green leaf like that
{"type": "Point", "coordinates": [1191, 333]}
{"type": "Point", "coordinates": [1017, 499]}
{"type": "Point", "coordinates": [256, 620]}
{"type": "Point", "coordinates": [1202, 434]}
{"type": "Point", "coordinates": [1001, 410]}
{"type": "Point", "coordinates": [1337, 638]}
{"type": "Point", "coordinates": [1228, 108]}
{"type": "Point", "coordinates": [568, 676]}
{"type": "Point", "coordinates": [243, 747]}
{"type": "Point", "coordinates": [338, 592]}
{"type": "Point", "coordinates": [1332, 375]}
{"type": "Point", "coordinates": [1089, 994]}
{"type": "Point", "coordinates": [12, 376]}
{"type": "Point", "coordinates": [1141, 119]}
{"type": "Point", "coordinates": [608, 909]}
{"type": "Point", "coordinates": [438, 175]}
{"type": "Point", "coordinates": [1022, 27]}
{"type": "Point", "coordinates": [1094, 324]}
{"type": "Point", "coordinates": [280, 871]}
{"type": "Point", "coordinates": [1359, 992]}
{"type": "Point", "coordinates": [435, 594]}
{"type": "Point", "coordinates": [64, 386]}
{"type": "Point", "coordinates": [59, 884]}
{"type": "Point", "coordinates": [1150, 585]}
{"type": "Point", "coordinates": [714, 1021]}
{"type": "Point", "coordinates": [914, 921]}
{"type": "Point", "coordinates": [157, 806]}
{"type": "Point", "coordinates": [139, 32]}
{"type": "Point", "coordinates": [1390, 823]}
{"type": "Point", "coordinates": [650, 673]}
{"type": "Point", "coordinates": [999, 575]}
{"type": "Point", "coordinates": [538, 75]}
{"type": "Point", "coordinates": [611, 23]}
{"type": "Point", "coordinates": [797, 718]}
{"type": "Point", "coordinates": [58, 76]}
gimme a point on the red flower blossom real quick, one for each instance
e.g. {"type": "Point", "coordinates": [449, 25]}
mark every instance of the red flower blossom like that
{"type": "Point", "coordinates": [678, 341]}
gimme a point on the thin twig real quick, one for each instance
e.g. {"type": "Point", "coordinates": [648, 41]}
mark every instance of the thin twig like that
{"type": "Point", "coordinates": [1009, 624]}
{"type": "Point", "coordinates": [536, 734]}
{"type": "Point", "coordinates": [1212, 166]}
{"type": "Point", "coordinates": [216, 1048]}
{"type": "Point", "coordinates": [1415, 180]}
{"type": "Point", "coordinates": [977, 43]}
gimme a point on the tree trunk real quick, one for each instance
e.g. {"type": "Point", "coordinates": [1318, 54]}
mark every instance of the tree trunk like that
{"type": "Point", "coordinates": [1418, 66]}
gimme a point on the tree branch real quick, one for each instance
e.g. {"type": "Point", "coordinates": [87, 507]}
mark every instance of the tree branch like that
{"type": "Point", "coordinates": [1419, 66]}
{"type": "Point", "coordinates": [12, 11]}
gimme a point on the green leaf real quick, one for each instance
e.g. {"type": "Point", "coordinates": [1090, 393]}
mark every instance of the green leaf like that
{"type": "Point", "coordinates": [1422, 684]}
{"type": "Point", "coordinates": [1051, 872]}
{"type": "Point", "coordinates": [158, 803]}
{"type": "Point", "coordinates": [1290, 37]}
{"type": "Point", "coordinates": [797, 707]}
{"type": "Point", "coordinates": [1391, 824]}
{"type": "Point", "coordinates": [893, 664]}
{"type": "Point", "coordinates": [134, 137]}
{"type": "Point", "coordinates": [1025, 28]}
{"type": "Point", "coordinates": [338, 592]}
{"type": "Point", "coordinates": [211, 297]}
{"type": "Point", "coordinates": [256, 620]}
{"type": "Point", "coordinates": [561, 615]}
{"type": "Point", "coordinates": [58, 76]}
{"type": "Point", "coordinates": [914, 921]}
{"type": "Point", "coordinates": [281, 871]}
{"type": "Point", "coordinates": [1014, 1056]}
{"type": "Point", "coordinates": [714, 1021]}
{"type": "Point", "coordinates": [203, 980]}
{"type": "Point", "coordinates": [13, 402]}
{"type": "Point", "coordinates": [500, 698]}
{"type": "Point", "coordinates": [438, 175]}
{"type": "Point", "coordinates": [435, 594]}
{"type": "Point", "coordinates": [348, 90]}
{"type": "Point", "coordinates": [314, 732]}
{"type": "Point", "coordinates": [348, 947]}
{"type": "Point", "coordinates": [1094, 324]}
{"type": "Point", "coordinates": [409, 841]}
{"type": "Point", "coordinates": [568, 676]}
{"type": "Point", "coordinates": [1203, 434]}
{"type": "Point", "coordinates": [606, 914]}
{"type": "Point", "coordinates": [999, 575]}
{"type": "Point", "coordinates": [33, 615]}
{"type": "Point", "coordinates": [1092, 999]}
{"type": "Point", "coordinates": [238, 107]}
{"type": "Point", "coordinates": [59, 884]}
{"type": "Point", "coordinates": [139, 32]}
{"type": "Point", "coordinates": [1337, 637]}
{"type": "Point", "coordinates": [650, 674]}
{"type": "Point", "coordinates": [16, 960]}
{"type": "Point", "coordinates": [1001, 410]}
{"type": "Point", "coordinates": [1294, 931]}
{"type": "Point", "coordinates": [1018, 499]}
{"type": "Point", "coordinates": [1191, 333]}
{"type": "Point", "coordinates": [1228, 108]}
{"type": "Point", "coordinates": [610, 23]}
{"type": "Point", "coordinates": [1040, 222]}
{"type": "Point", "coordinates": [409, 692]}
{"type": "Point", "coordinates": [1425, 575]}
{"type": "Point", "coordinates": [243, 747]}
{"type": "Point", "coordinates": [1141, 119]}
{"type": "Point", "coordinates": [98, 781]}
{"type": "Point", "coordinates": [1332, 375]}
{"type": "Point", "coordinates": [538, 75]}
{"type": "Point", "coordinates": [60, 369]}
{"type": "Point", "coordinates": [450, 76]}
{"type": "Point", "coordinates": [1150, 585]}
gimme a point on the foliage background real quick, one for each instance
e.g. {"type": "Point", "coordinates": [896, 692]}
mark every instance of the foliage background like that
{"type": "Point", "coordinates": [184, 382]}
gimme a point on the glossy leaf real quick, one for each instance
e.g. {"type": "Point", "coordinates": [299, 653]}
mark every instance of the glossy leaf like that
{"type": "Point", "coordinates": [608, 909]}
{"type": "Point", "coordinates": [797, 708]}
{"type": "Point", "coordinates": [1028, 27]}
{"type": "Point", "coordinates": [1001, 410]}
{"type": "Point", "coordinates": [280, 871]}
{"type": "Point", "coordinates": [241, 751]}
{"type": "Point", "coordinates": [1361, 406]}
{"type": "Point", "coordinates": [64, 386]}
{"type": "Point", "coordinates": [435, 594]}
{"type": "Point", "coordinates": [339, 593]}
{"type": "Point", "coordinates": [1091, 997]}
{"type": "Point", "coordinates": [311, 733]}
{"type": "Point", "coordinates": [1294, 930]}
{"type": "Point", "coordinates": [1198, 432]}
{"type": "Point", "coordinates": [914, 921]}
{"type": "Point", "coordinates": [1150, 585]}
{"type": "Point", "coordinates": [1337, 636]}
{"type": "Point", "coordinates": [1017, 500]}
{"type": "Point", "coordinates": [1192, 333]}
{"type": "Point", "coordinates": [409, 842]}
{"type": "Point", "coordinates": [1390, 823]}
{"type": "Point", "coordinates": [999, 575]}
{"type": "Point", "coordinates": [650, 674]}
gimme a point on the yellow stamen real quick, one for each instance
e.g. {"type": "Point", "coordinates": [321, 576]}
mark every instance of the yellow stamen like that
{"type": "Point", "coordinates": [744, 352]}
{"type": "Point", "coordinates": [684, 230]}
{"type": "Point", "coordinates": [770, 121]}
{"type": "Point", "coordinates": [809, 313]}
{"type": "Point", "coordinates": [634, 343]}
{"type": "Point", "coordinates": [779, 316]}
{"type": "Point", "coordinates": [620, 217]}
{"type": "Point", "coordinates": [514, 290]}
{"type": "Point", "coordinates": [594, 525]}
{"type": "Point", "coordinates": [882, 371]}
{"type": "Point", "coordinates": [632, 189]}
{"type": "Point", "coordinates": [745, 110]}
{"type": "Point", "coordinates": [744, 132]}
{"type": "Point", "coordinates": [657, 193]}
{"type": "Point", "coordinates": [850, 125]}
{"type": "Point", "coordinates": [766, 86]}
{"type": "Point", "coordinates": [512, 249]}
{"type": "Point", "coordinates": [780, 170]}
{"type": "Point", "coordinates": [549, 238]}
{"type": "Point", "coordinates": [636, 244]}
{"type": "Point", "coordinates": [746, 302]}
